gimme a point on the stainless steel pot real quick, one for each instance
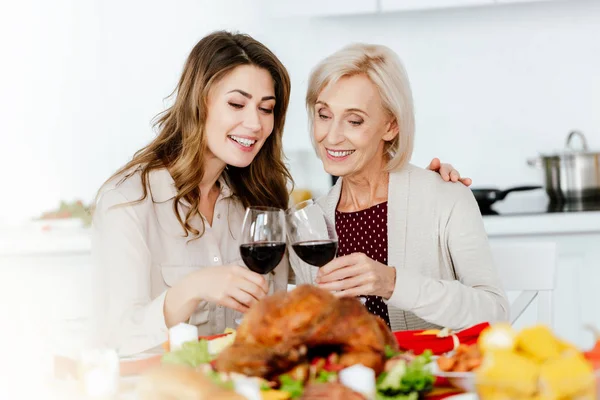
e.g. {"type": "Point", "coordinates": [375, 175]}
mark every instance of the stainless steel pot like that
{"type": "Point", "coordinates": [573, 174]}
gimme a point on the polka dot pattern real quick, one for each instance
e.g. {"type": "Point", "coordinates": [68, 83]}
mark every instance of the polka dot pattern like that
{"type": "Point", "coordinates": [365, 232]}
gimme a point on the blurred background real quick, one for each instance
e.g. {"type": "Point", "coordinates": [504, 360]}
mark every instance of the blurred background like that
{"type": "Point", "coordinates": [495, 83]}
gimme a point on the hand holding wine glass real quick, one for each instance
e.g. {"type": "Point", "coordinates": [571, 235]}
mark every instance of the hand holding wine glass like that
{"type": "Point", "coordinates": [313, 235]}
{"type": "Point", "coordinates": [231, 286]}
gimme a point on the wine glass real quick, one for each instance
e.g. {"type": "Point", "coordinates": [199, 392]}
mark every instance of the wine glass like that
{"type": "Point", "coordinates": [263, 239]}
{"type": "Point", "coordinates": [312, 235]}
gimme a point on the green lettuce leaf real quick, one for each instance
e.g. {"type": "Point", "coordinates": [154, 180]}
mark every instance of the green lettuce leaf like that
{"type": "Point", "coordinates": [326, 376]}
{"type": "Point", "coordinates": [389, 352]}
{"type": "Point", "coordinates": [191, 354]}
{"type": "Point", "coordinates": [412, 396]}
{"type": "Point", "coordinates": [406, 379]}
{"type": "Point", "coordinates": [217, 379]}
{"type": "Point", "coordinates": [293, 387]}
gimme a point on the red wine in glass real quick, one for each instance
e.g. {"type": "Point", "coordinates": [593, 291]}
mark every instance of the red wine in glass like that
{"type": "Point", "coordinates": [312, 235]}
{"type": "Point", "coordinates": [262, 257]}
{"type": "Point", "coordinates": [263, 238]}
{"type": "Point", "coordinates": [316, 252]}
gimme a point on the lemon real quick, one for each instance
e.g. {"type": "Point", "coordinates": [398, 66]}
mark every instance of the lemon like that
{"type": "Point", "coordinates": [216, 346]}
{"type": "Point", "coordinates": [499, 336]}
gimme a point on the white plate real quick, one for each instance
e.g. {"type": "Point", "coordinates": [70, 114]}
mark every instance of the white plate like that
{"type": "Point", "coordinates": [461, 380]}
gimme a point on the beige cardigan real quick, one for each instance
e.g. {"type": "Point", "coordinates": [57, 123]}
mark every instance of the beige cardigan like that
{"type": "Point", "coordinates": [445, 276]}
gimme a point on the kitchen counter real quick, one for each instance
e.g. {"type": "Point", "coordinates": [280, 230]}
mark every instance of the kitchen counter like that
{"type": "Point", "coordinates": [575, 229]}
{"type": "Point", "coordinates": [532, 213]}
{"type": "Point", "coordinates": [542, 224]}
{"type": "Point", "coordinates": [33, 240]}
{"type": "Point", "coordinates": [519, 215]}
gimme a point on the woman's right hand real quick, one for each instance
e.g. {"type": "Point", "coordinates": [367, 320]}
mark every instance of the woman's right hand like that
{"type": "Point", "coordinates": [231, 286]}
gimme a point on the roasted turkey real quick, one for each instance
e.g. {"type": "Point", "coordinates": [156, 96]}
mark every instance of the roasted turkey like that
{"type": "Point", "coordinates": [285, 330]}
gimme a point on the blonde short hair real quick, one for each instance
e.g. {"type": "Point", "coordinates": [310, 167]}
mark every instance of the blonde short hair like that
{"type": "Point", "coordinates": [384, 68]}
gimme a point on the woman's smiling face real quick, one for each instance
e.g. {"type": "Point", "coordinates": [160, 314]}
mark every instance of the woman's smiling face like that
{"type": "Point", "coordinates": [351, 126]}
{"type": "Point", "coordinates": [240, 115]}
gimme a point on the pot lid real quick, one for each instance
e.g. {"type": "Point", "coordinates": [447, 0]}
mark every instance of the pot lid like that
{"type": "Point", "coordinates": [571, 149]}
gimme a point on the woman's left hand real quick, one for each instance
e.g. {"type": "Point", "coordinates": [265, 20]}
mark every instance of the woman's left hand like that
{"type": "Point", "coordinates": [447, 172]}
{"type": "Point", "coordinates": [355, 275]}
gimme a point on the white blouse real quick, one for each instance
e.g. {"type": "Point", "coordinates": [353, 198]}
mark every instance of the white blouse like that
{"type": "Point", "coordinates": [139, 251]}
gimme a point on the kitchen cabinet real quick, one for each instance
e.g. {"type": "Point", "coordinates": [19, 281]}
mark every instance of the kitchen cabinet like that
{"type": "Point", "coordinates": [319, 8]}
{"type": "Point", "coordinates": [404, 5]}
{"type": "Point", "coordinates": [576, 298]}
{"type": "Point", "coordinates": [520, 1]}
{"type": "Point", "coordinates": [330, 8]}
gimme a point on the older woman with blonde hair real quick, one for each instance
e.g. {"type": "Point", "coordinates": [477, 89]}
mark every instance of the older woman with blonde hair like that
{"type": "Point", "coordinates": [411, 243]}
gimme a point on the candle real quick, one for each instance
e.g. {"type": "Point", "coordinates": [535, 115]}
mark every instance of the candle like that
{"type": "Point", "coordinates": [359, 378]}
{"type": "Point", "coordinates": [181, 333]}
{"type": "Point", "coordinates": [99, 370]}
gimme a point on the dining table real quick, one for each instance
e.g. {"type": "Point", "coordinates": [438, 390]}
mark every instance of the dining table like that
{"type": "Point", "coordinates": [65, 384]}
{"type": "Point", "coordinates": [71, 389]}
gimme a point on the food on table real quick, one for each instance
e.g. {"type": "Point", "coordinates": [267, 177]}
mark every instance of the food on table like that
{"type": "Point", "coordinates": [362, 379]}
{"type": "Point", "coordinates": [330, 391]}
{"type": "Point", "coordinates": [501, 337]}
{"type": "Point", "coordinates": [289, 329]}
{"type": "Point", "coordinates": [514, 372]}
{"type": "Point", "coordinates": [182, 383]}
{"type": "Point", "coordinates": [438, 341]}
{"type": "Point", "coordinates": [540, 366]}
{"type": "Point", "coordinates": [568, 376]}
{"type": "Point", "coordinates": [274, 395]}
{"type": "Point", "coordinates": [250, 388]}
{"type": "Point", "coordinates": [217, 345]}
{"type": "Point", "coordinates": [465, 358]}
{"type": "Point", "coordinates": [182, 333]}
{"type": "Point", "coordinates": [306, 344]}
{"type": "Point", "coordinates": [191, 354]}
{"type": "Point", "coordinates": [539, 343]}
{"type": "Point", "coordinates": [593, 355]}
{"type": "Point", "coordinates": [404, 376]}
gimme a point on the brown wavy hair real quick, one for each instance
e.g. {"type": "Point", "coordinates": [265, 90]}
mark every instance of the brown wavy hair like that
{"type": "Point", "coordinates": [180, 145]}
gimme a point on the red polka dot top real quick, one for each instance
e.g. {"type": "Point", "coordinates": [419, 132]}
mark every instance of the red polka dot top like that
{"type": "Point", "coordinates": [365, 232]}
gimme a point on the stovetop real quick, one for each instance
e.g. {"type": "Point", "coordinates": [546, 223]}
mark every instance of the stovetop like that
{"type": "Point", "coordinates": [532, 203]}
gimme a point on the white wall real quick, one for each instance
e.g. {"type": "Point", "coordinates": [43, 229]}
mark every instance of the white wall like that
{"type": "Point", "coordinates": [493, 85]}
{"type": "Point", "coordinates": [82, 80]}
